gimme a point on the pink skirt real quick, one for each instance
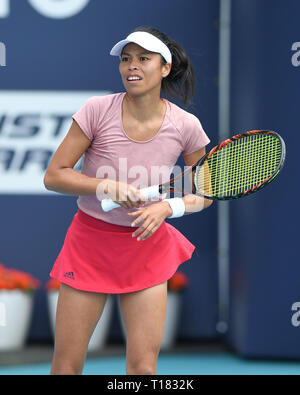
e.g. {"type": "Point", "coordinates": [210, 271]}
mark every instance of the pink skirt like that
{"type": "Point", "coordinates": [101, 257]}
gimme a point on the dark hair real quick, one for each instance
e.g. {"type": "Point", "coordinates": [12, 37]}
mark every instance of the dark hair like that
{"type": "Point", "coordinates": [181, 80]}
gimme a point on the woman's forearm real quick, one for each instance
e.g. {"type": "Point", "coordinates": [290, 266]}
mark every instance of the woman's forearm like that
{"type": "Point", "coordinates": [195, 203]}
{"type": "Point", "coordinates": [71, 182]}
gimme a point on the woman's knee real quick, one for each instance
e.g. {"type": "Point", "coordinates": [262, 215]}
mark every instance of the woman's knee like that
{"type": "Point", "coordinates": [141, 368]}
{"type": "Point", "coordinates": [64, 366]}
{"type": "Point", "coordinates": [142, 361]}
{"type": "Point", "coordinates": [68, 359]}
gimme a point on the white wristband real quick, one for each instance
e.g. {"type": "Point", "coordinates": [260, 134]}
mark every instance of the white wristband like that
{"type": "Point", "coordinates": [177, 205]}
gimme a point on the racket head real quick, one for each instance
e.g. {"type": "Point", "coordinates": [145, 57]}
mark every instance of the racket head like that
{"type": "Point", "coordinates": [240, 165]}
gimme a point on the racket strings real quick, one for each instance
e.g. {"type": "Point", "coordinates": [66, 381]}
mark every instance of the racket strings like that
{"type": "Point", "coordinates": [240, 166]}
{"type": "Point", "coordinates": [254, 165]}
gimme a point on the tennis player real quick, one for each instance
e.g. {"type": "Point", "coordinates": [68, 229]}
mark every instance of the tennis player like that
{"type": "Point", "coordinates": [131, 250]}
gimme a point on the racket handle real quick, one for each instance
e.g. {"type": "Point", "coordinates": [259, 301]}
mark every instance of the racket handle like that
{"type": "Point", "coordinates": [108, 204]}
{"type": "Point", "coordinates": [148, 193]}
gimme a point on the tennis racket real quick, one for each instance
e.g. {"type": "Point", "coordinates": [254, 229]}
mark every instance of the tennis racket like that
{"type": "Point", "coordinates": [237, 167]}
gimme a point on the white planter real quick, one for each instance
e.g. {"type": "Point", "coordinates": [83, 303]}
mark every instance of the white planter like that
{"type": "Point", "coordinates": [16, 306]}
{"type": "Point", "coordinates": [171, 323]}
{"type": "Point", "coordinates": [100, 334]}
{"type": "Point", "coordinates": [52, 297]}
{"type": "Point", "coordinates": [172, 320]}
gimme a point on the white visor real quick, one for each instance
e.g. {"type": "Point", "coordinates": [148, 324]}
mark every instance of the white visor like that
{"type": "Point", "coordinates": [145, 40]}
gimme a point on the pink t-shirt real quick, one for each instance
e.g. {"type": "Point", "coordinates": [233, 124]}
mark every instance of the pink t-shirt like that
{"type": "Point", "coordinates": [114, 155]}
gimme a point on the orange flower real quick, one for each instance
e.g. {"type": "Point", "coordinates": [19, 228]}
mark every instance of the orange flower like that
{"type": "Point", "coordinates": [52, 285]}
{"type": "Point", "coordinates": [177, 282]}
{"type": "Point", "coordinates": [15, 279]}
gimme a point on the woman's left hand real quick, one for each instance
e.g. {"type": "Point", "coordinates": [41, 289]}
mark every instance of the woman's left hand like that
{"type": "Point", "coordinates": [153, 216]}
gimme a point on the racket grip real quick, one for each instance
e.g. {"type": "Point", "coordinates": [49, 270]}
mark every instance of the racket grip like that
{"type": "Point", "coordinates": [148, 193]}
{"type": "Point", "coordinates": [108, 204]}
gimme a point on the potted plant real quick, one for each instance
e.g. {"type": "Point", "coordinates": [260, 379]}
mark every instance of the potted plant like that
{"type": "Point", "coordinates": [16, 300]}
{"type": "Point", "coordinates": [176, 285]}
{"type": "Point", "coordinates": [100, 333]}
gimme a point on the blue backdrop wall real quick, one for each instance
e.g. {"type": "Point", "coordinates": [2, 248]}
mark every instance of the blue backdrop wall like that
{"type": "Point", "coordinates": [265, 274]}
{"type": "Point", "coordinates": [53, 64]}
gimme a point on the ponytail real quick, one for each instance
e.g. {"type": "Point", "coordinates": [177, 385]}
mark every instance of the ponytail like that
{"type": "Point", "coordinates": [181, 80]}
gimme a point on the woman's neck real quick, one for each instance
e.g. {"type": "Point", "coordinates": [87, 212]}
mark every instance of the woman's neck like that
{"type": "Point", "coordinates": [143, 108]}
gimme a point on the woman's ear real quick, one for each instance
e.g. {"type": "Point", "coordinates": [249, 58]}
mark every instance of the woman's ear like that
{"type": "Point", "coordinates": [166, 69]}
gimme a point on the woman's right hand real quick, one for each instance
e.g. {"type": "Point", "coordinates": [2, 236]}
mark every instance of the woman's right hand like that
{"type": "Point", "coordinates": [124, 194]}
